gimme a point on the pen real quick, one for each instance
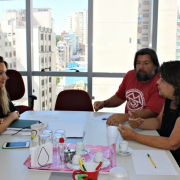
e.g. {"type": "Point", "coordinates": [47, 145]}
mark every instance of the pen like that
{"type": "Point", "coordinates": [151, 160]}
{"type": "Point", "coordinates": [100, 164]}
{"type": "Point", "coordinates": [82, 165]}
{"type": "Point", "coordinates": [104, 118]}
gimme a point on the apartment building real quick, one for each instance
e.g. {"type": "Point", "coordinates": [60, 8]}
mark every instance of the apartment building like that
{"type": "Point", "coordinates": [72, 39]}
{"type": "Point", "coordinates": [13, 49]}
{"type": "Point", "coordinates": [63, 56]}
{"type": "Point", "coordinates": [144, 24]}
{"type": "Point", "coordinates": [78, 22]}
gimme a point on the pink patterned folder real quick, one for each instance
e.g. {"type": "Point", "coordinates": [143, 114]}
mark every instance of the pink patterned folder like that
{"type": "Point", "coordinates": [108, 152]}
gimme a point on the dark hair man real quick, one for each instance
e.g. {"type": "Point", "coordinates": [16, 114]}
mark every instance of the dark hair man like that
{"type": "Point", "coordinates": [138, 88]}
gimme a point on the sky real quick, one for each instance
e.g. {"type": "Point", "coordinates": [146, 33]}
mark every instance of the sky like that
{"type": "Point", "coordinates": [60, 9]}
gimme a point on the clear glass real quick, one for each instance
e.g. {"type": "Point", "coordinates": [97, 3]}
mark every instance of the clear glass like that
{"type": "Point", "coordinates": [119, 33]}
{"type": "Point", "coordinates": [58, 149]}
{"type": "Point", "coordinates": [48, 131]}
{"type": "Point", "coordinates": [61, 131]}
{"type": "Point", "coordinates": [44, 138]}
{"type": "Point", "coordinates": [13, 34]}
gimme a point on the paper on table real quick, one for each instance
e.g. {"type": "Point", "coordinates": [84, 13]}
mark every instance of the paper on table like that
{"type": "Point", "coordinates": [23, 132]}
{"type": "Point", "coordinates": [45, 118]}
{"type": "Point", "coordinates": [99, 118]}
{"type": "Point", "coordinates": [143, 165]}
{"type": "Point", "coordinates": [72, 130]}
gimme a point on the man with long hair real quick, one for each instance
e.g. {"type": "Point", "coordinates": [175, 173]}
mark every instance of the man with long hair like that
{"type": "Point", "coordinates": [138, 89]}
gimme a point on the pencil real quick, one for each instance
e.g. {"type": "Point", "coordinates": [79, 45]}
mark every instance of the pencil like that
{"type": "Point", "coordinates": [82, 165]}
{"type": "Point", "coordinates": [151, 160]}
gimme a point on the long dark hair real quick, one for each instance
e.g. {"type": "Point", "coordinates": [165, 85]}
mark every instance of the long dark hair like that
{"type": "Point", "coordinates": [170, 72]}
{"type": "Point", "coordinates": [149, 51]}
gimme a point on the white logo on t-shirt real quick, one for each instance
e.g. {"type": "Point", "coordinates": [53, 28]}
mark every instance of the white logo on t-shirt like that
{"type": "Point", "coordinates": [135, 100]}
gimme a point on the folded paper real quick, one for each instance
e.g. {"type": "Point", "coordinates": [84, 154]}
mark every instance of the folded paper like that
{"type": "Point", "coordinates": [41, 155]}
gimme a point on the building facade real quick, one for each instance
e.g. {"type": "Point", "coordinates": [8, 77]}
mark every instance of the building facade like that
{"type": "Point", "coordinates": [13, 49]}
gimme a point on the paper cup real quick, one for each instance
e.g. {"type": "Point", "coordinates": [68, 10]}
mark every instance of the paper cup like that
{"type": "Point", "coordinates": [123, 146]}
{"type": "Point", "coordinates": [112, 133]}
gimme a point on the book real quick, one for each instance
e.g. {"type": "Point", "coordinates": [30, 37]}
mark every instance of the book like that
{"type": "Point", "coordinates": [20, 123]}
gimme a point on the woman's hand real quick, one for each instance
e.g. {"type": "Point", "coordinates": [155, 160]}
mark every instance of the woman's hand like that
{"type": "Point", "coordinates": [126, 132]}
{"type": "Point", "coordinates": [14, 115]}
{"type": "Point", "coordinates": [134, 123]}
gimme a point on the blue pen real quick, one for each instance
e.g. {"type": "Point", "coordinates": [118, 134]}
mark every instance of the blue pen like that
{"type": "Point", "coordinates": [104, 118]}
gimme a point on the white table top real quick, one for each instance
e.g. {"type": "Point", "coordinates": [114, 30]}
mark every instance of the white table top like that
{"type": "Point", "coordinates": [12, 159]}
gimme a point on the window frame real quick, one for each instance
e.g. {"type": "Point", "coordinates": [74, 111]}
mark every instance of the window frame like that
{"type": "Point", "coordinates": [90, 74]}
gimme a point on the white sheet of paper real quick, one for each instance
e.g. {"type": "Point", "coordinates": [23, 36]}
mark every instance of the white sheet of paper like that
{"type": "Point", "coordinates": [99, 118]}
{"type": "Point", "coordinates": [72, 130]}
{"type": "Point", "coordinates": [45, 118]}
{"type": "Point", "coordinates": [23, 132]}
{"type": "Point", "coordinates": [143, 165]}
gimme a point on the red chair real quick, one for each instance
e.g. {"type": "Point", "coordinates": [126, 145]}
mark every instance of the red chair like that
{"type": "Point", "coordinates": [73, 100]}
{"type": "Point", "coordinates": [16, 89]}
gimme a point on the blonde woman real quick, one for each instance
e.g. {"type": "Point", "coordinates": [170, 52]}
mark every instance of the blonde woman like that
{"type": "Point", "coordinates": [8, 112]}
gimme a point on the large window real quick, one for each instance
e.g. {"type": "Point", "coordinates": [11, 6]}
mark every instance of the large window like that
{"type": "Point", "coordinates": [13, 33]}
{"type": "Point", "coordinates": [61, 57]}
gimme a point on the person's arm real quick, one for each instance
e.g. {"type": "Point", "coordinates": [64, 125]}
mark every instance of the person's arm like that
{"type": "Point", "coordinates": [151, 123]}
{"type": "Point", "coordinates": [114, 101]}
{"type": "Point", "coordinates": [169, 143]}
{"type": "Point", "coordinates": [8, 120]}
{"type": "Point", "coordinates": [121, 118]}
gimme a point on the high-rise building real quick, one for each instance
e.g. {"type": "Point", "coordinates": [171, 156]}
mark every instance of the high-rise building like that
{"type": "Point", "coordinates": [144, 24]}
{"type": "Point", "coordinates": [13, 49]}
{"type": "Point", "coordinates": [78, 22]}
{"type": "Point", "coordinates": [178, 37]}
{"type": "Point", "coordinates": [73, 40]}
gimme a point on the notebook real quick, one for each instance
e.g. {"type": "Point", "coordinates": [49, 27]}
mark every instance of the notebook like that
{"type": "Point", "coordinates": [19, 124]}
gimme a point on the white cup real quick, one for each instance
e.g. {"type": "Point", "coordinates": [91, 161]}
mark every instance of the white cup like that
{"type": "Point", "coordinates": [123, 146]}
{"type": "Point", "coordinates": [75, 160]}
{"type": "Point", "coordinates": [99, 157]}
{"type": "Point", "coordinates": [79, 148]}
{"type": "Point", "coordinates": [36, 130]}
{"type": "Point", "coordinates": [112, 133]}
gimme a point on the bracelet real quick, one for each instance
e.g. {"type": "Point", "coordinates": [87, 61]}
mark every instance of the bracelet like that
{"type": "Point", "coordinates": [104, 103]}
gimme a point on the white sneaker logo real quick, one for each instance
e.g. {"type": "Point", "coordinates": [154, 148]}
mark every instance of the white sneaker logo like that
{"type": "Point", "coordinates": [135, 100]}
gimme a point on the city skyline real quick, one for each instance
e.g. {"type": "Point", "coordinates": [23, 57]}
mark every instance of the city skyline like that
{"type": "Point", "coordinates": [59, 13]}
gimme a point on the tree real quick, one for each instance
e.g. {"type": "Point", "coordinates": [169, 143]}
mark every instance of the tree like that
{"type": "Point", "coordinates": [58, 38]}
{"type": "Point", "coordinates": [57, 80]}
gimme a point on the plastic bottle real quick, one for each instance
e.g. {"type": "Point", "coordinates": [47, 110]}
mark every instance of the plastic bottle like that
{"type": "Point", "coordinates": [61, 152]}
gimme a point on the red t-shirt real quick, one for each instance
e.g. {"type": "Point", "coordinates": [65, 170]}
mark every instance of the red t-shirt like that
{"type": "Point", "coordinates": [140, 95]}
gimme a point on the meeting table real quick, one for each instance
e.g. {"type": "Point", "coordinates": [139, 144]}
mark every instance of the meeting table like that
{"type": "Point", "coordinates": [95, 134]}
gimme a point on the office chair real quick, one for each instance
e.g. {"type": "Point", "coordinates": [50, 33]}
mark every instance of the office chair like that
{"type": "Point", "coordinates": [73, 100]}
{"type": "Point", "coordinates": [16, 89]}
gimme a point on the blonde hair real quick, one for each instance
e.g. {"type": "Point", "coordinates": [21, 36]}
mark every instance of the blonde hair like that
{"type": "Point", "coordinates": [4, 101]}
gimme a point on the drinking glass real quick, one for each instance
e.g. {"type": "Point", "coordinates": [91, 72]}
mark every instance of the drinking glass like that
{"type": "Point", "coordinates": [44, 138]}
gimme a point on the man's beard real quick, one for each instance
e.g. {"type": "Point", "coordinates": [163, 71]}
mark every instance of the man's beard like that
{"type": "Point", "coordinates": [144, 77]}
